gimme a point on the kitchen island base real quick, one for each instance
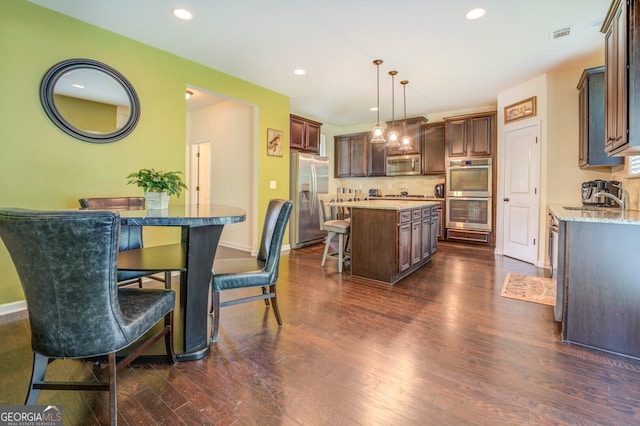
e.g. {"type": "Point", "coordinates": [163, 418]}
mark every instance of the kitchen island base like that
{"type": "Point", "coordinates": [390, 240]}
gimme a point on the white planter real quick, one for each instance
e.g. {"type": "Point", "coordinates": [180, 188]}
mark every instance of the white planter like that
{"type": "Point", "coordinates": [157, 200]}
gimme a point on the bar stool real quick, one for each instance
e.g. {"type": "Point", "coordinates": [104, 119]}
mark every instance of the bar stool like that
{"type": "Point", "coordinates": [334, 227]}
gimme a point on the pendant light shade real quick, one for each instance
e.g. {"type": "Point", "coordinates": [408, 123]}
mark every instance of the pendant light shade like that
{"type": "Point", "coordinates": [378, 130]}
{"type": "Point", "coordinates": [393, 135]}
{"type": "Point", "coordinates": [405, 141]}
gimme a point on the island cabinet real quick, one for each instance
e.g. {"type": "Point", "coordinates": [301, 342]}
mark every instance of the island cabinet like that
{"type": "Point", "coordinates": [591, 118]}
{"type": "Point", "coordinates": [391, 239]}
{"type": "Point", "coordinates": [622, 73]}
{"type": "Point", "coordinates": [304, 134]}
{"type": "Point", "coordinates": [471, 135]}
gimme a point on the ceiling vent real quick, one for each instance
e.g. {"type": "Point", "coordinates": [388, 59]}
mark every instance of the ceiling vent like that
{"type": "Point", "coordinates": [560, 33]}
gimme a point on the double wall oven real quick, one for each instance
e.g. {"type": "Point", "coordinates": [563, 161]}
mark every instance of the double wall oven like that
{"type": "Point", "coordinates": [469, 192]}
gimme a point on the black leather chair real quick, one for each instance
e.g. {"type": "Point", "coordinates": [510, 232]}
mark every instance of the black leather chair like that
{"type": "Point", "coordinates": [260, 271]}
{"type": "Point", "coordinates": [66, 261]}
{"type": "Point", "coordinates": [130, 236]}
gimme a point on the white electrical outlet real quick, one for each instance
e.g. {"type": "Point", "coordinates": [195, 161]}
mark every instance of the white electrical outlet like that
{"type": "Point", "coordinates": [272, 184]}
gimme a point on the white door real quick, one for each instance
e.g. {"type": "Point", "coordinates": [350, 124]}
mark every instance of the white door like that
{"type": "Point", "coordinates": [200, 176]}
{"type": "Point", "coordinates": [521, 193]}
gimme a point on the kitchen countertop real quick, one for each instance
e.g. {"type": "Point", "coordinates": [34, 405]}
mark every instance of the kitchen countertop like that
{"type": "Point", "coordinates": [389, 204]}
{"type": "Point", "coordinates": [595, 214]}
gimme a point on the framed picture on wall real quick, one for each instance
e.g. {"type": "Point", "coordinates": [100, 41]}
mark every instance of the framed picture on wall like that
{"type": "Point", "coordinates": [520, 110]}
{"type": "Point", "coordinates": [274, 142]}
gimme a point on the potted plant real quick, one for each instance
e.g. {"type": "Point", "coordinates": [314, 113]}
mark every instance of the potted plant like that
{"type": "Point", "coordinates": [158, 186]}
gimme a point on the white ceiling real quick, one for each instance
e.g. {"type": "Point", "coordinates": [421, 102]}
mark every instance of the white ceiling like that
{"type": "Point", "coordinates": [451, 63]}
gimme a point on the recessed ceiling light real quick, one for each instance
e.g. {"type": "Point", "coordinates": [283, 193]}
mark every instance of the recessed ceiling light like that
{"type": "Point", "coordinates": [373, 109]}
{"type": "Point", "coordinates": [183, 14]}
{"type": "Point", "coordinates": [299, 71]}
{"type": "Point", "coordinates": [475, 14]}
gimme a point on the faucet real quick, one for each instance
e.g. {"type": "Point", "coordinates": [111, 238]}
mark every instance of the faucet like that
{"type": "Point", "coordinates": [622, 201]}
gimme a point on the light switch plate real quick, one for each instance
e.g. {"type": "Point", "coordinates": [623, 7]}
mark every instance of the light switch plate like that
{"type": "Point", "coordinates": [272, 184]}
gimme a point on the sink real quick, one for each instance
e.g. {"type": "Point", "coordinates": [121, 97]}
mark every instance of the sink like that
{"type": "Point", "coordinates": [591, 208]}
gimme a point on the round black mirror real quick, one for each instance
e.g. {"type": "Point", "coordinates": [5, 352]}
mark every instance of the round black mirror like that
{"type": "Point", "coordinates": [90, 100]}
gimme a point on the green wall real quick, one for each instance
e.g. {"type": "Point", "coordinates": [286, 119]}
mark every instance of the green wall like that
{"type": "Point", "coordinates": [43, 168]}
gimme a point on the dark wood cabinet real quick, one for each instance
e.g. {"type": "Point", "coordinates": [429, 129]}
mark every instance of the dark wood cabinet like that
{"type": "Point", "coordinates": [356, 156]}
{"type": "Point", "coordinates": [591, 122]}
{"type": "Point", "coordinates": [622, 78]}
{"type": "Point", "coordinates": [377, 159]}
{"type": "Point", "coordinates": [388, 244]}
{"type": "Point", "coordinates": [433, 152]}
{"type": "Point", "coordinates": [413, 127]}
{"type": "Point", "coordinates": [304, 134]}
{"type": "Point", "coordinates": [352, 155]}
{"type": "Point", "coordinates": [471, 135]}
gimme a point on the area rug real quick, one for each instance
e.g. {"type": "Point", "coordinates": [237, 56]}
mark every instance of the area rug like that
{"type": "Point", "coordinates": [529, 288]}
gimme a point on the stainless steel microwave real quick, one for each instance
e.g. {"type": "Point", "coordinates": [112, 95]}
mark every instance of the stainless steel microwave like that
{"type": "Point", "coordinates": [403, 165]}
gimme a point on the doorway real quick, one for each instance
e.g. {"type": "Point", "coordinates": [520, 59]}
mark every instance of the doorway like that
{"type": "Point", "coordinates": [200, 176]}
{"type": "Point", "coordinates": [521, 201]}
{"type": "Point", "coordinates": [220, 146]}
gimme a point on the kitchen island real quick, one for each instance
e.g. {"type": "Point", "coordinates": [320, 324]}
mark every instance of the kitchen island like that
{"type": "Point", "coordinates": [597, 278]}
{"type": "Point", "coordinates": [390, 239]}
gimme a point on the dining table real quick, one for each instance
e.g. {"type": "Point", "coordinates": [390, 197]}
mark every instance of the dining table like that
{"type": "Point", "coordinates": [193, 257]}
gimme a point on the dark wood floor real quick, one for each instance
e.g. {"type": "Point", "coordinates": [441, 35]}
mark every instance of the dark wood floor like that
{"type": "Point", "coordinates": [441, 347]}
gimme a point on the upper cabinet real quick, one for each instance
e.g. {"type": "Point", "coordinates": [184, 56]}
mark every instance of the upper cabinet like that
{"type": "Point", "coordinates": [356, 156]}
{"type": "Point", "coordinates": [433, 148]}
{"type": "Point", "coordinates": [413, 126]}
{"type": "Point", "coordinates": [471, 135]}
{"type": "Point", "coordinates": [352, 155]}
{"type": "Point", "coordinates": [622, 78]}
{"type": "Point", "coordinates": [591, 112]}
{"type": "Point", "coordinates": [304, 134]}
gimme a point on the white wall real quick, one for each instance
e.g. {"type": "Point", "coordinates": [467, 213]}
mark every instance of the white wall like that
{"type": "Point", "coordinates": [230, 126]}
{"type": "Point", "coordinates": [557, 112]}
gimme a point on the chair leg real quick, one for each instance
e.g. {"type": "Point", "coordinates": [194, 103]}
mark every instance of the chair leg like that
{"type": "Point", "coordinates": [215, 309]}
{"type": "Point", "coordinates": [40, 363]}
{"type": "Point", "coordinates": [167, 280]}
{"type": "Point", "coordinates": [113, 400]}
{"type": "Point", "coordinates": [264, 292]}
{"type": "Point", "coordinates": [274, 303]}
{"type": "Point", "coordinates": [139, 282]}
{"type": "Point", "coordinates": [329, 237]}
{"type": "Point", "coordinates": [168, 339]}
{"type": "Point", "coordinates": [340, 252]}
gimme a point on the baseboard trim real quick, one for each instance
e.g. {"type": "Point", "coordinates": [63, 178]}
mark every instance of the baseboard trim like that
{"type": "Point", "coordinates": [13, 307]}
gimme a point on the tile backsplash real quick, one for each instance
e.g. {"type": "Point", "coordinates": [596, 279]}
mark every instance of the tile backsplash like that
{"type": "Point", "coordinates": [415, 185]}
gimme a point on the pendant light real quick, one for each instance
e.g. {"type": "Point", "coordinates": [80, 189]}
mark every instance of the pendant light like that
{"type": "Point", "coordinates": [378, 131]}
{"type": "Point", "coordinates": [405, 141]}
{"type": "Point", "coordinates": [393, 135]}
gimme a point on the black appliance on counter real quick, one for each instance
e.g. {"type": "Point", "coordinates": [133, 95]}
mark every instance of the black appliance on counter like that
{"type": "Point", "coordinates": [593, 187]}
{"type": "Point", "coordinates": [375, 192]}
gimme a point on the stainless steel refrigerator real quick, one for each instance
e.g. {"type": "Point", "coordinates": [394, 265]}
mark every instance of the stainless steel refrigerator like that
{"type": "Point", "coordinates": [309, 177]}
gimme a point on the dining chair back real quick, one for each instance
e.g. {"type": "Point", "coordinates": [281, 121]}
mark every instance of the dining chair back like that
{"type": "Point", "coordinates": [260, 271]}
{"type": "Point", "coordinates": [130, 236]}
{"type": "Point", "coordinates": [66, 262]}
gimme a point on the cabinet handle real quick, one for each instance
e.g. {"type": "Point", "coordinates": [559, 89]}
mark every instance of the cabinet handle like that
{"type": "Point", "coordinates": [505, 199]}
